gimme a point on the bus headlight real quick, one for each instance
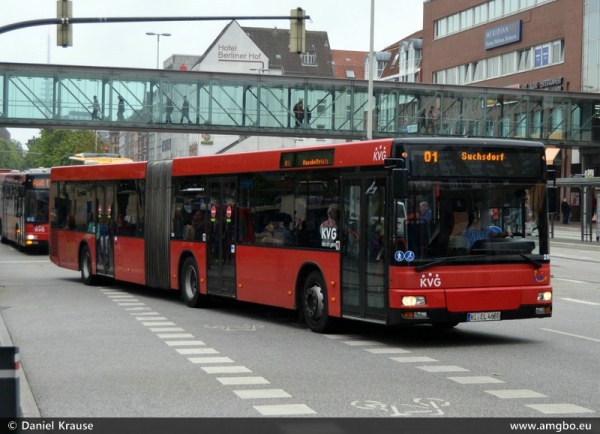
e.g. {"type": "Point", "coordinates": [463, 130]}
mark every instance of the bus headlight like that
{"type": "Point", "coordinates": [545, 296]}
{"type": "Point", "coordinates": [32, 237]}
{"type": "Point", "coordinates": [414, 300]}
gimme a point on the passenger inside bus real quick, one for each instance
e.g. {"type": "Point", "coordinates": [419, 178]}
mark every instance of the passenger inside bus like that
{"type": "Point", "coordinates": [70, 222]}
{"type": "Point", "coordinates": [268, 235]}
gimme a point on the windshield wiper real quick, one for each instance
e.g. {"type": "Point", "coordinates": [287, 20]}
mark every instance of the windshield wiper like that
{"type": "Point", "coordinates": [532, 261]}
{"type": "Point", "coordinates": [445, 261]}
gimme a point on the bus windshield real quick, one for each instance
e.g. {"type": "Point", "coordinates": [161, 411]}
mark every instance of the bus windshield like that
{"type": "Point", "coordinates": [36, 207]}
{"type": "Point", "coordinates": [472, 220]}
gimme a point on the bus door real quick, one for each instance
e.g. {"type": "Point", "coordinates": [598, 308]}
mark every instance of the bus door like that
{"type": "Point", "coordinates": [363, 246]}
{"type": "Point", "coordinates": [105, 229]}
{"type": "Point", "coordinates": [220, 241]}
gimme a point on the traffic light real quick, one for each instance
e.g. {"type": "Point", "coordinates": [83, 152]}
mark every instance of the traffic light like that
{"type": "Point", "coordinates": [106, 148]}
{"type": "Point", "coordinates": [298, 31]}
{"type": "Point", "coordinates": [64, 32]}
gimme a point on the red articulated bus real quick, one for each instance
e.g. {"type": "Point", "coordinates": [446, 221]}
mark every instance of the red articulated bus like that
{"type": "Point", "coordinates": [397, 231]}
{"type": "Point", "coordinates": [24, 207]}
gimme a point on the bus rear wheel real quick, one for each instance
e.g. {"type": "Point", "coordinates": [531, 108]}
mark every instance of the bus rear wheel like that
{"type": "Point", "coordinates": [85, 263]}
{"type": "Point", "coordinates": [314, 303]}
{"type": "Point", "coordinates": [189, 284]}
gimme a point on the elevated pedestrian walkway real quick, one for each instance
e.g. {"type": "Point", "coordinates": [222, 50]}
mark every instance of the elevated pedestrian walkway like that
{"type": "Point", "coordinates": [50, 96]}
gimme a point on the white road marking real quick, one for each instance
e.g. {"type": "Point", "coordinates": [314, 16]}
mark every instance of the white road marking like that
{"type": "Point", "coordinates": [279, 410]}
{"type": "Point", "coordinates": [175, 335]}
{"type": "Point", "coordinates": [567, 280]}
{"type": "Point", "coordinates": [197, 351]}
{"type": "Point", "coordinates": [340, 336]}
{"type": "Point", "coordinates": [515, 394]}
{"type": "Point", "coordinates": [225, 369]}
{"type": "Point", "coordinates": [559, 408]}
{"type": "Point", "coordinates": [442, 368]}
{"type": "Point", "coordinates": [475, 380]}
{"type": "Point", "coordinates": [361, 343]}
{"type": "Point", "coordinates": [182, 343]}
{"type": "Point", "coordinates": [158, 323]}
{"type": "Point", "coordinates": [166, 329]}
{"type": "Point", "coordinates": [386, 350]}
{"type": "Point", "coordinates": [413, 359]}
{"type": "Point", "coordinates": [574, 300]}
{"type": "Point", "coordinates": [262, 393]}
{"type": "Point", "coordinates": [570, 334]}
{"type": "Point", "coordinates": [238, 381]}
{"type": "Point", "coordinates": [284, 410]}
{"type": "Point", "coordinates": [210, 360]}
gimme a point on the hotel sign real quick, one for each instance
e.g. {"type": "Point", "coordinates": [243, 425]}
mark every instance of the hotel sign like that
{"type": "Point", "coordinates": [502, 35]}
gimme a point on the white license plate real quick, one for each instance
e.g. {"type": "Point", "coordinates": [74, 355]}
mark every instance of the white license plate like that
{"type": "Point", "coordinates": [483, 316]}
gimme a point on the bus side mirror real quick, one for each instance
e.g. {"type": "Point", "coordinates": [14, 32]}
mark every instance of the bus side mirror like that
{"type": "Point", "coordinates": [400, 183]}
{"type": "Point", "coordinates": [21, 191]}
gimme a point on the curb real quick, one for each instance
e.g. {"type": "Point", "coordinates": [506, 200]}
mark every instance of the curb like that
{"type": "Point", "coordinates": [28, 405]}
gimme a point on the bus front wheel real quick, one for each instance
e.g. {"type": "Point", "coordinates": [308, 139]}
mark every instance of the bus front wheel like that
{"type": "Point", "coordinates": [314, 303]}
{"type": "Point", "coordinates": [189, 284]}
{"type": "Point", "coordinates": [85, 262]}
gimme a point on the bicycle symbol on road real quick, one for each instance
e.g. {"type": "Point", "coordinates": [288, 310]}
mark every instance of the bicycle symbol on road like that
{"type": "Point", "coordinates": [431, 406]}
{"type": "Point", "coordinates": [245, 327]}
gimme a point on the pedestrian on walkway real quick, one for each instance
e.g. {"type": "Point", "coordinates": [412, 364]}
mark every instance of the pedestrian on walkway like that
{"type": "Point", "coordinates": [299, 113]}
{"type": "Point", "coordinates": [121, 110]}
{"type": "Point", "coordinates": [95, 109]}
{"type": "Point", "coordinates": [185, 110]}
{"type": "Point", "coordinates": [565, 208]}
{"type": "Point", "coordinates": [169, 109]}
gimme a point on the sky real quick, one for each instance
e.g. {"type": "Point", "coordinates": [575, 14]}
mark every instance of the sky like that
{"type": "Point", "coordinates": [126, 45]}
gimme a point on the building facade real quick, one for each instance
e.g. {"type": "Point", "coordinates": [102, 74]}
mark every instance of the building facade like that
{"type": "Point", "coordinates": [245, 50]}
{"type": "Point", "coordinates": [526, 44]}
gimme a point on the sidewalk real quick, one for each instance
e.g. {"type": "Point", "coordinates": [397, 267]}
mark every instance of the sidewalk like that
{"type": "Point", "coordinates": [28, 405]}
{"type": "Point", "coordinates": [571, 236]}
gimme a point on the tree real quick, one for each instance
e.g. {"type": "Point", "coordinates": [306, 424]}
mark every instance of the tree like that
{"type": "Point", "coordinates": [54, 147]}
{"type": "Point", "coordinates": [11, 154]}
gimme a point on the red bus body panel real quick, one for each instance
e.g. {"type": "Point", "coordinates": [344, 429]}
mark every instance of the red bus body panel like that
{"type": "Point", "coordinates": [129, 259]}
{"type": "Point", "coordinates": [100, 172]}
{"type": "Point", "coordinates": [42, 231]}
{"type": "Point", "coordinates": [350, 155]}
{"type": "Point", "coordinates": [68, 247]}
{"type": "Point", "coordinates": [268, 275]}
{"type": "Point", "coordinates": [255, 279]}
{"type": "Point", "coordinates": [458, 289]}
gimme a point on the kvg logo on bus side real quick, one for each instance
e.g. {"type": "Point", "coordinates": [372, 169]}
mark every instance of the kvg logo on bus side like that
{"type": "Point", "coordinates": [379, 154]}
{"type": "Point", "coordinates": [430, 280]}
{"type": "Point", "coordinates": [328, 236]}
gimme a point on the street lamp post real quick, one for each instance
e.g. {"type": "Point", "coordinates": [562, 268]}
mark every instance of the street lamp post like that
{"type": "Point", "coordinates": [158, 35]}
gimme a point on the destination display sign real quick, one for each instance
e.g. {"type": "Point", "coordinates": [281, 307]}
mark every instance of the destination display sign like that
{"type": "Point", "coordinates": [481, 161]}
{"type": "Point", "coordinates": [313, 158]}
{"type": "Point", "coordinates": [36, 183]}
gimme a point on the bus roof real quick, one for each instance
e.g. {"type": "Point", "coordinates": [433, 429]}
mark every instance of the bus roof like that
{"type": "Point", "coordinates": [96, 158]}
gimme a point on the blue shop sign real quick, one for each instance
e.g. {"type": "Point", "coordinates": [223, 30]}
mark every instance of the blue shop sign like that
{"type": "Point", "coordinates": [507, 33]}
